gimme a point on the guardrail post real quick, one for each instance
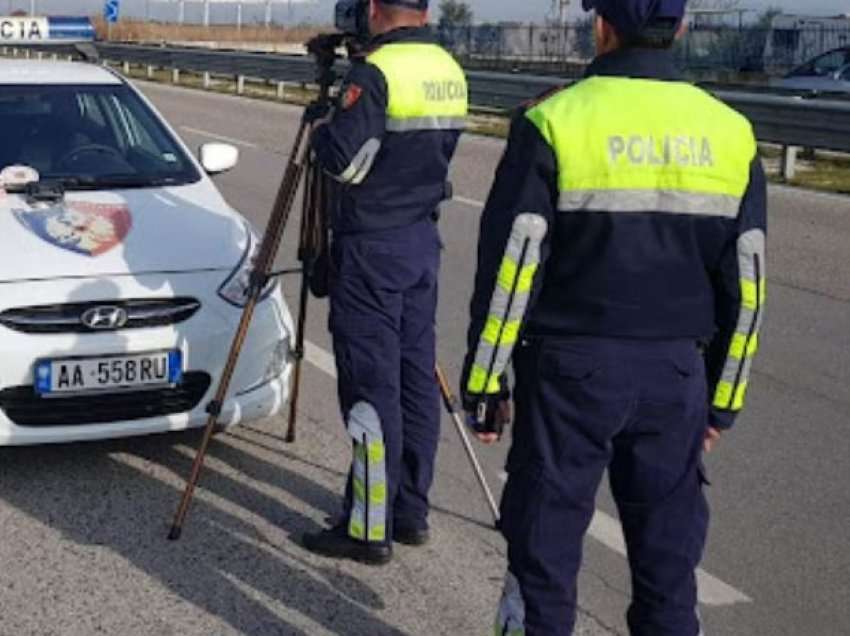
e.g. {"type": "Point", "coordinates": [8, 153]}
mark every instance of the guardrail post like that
{"type": "Point", "coordinates": [150, 71]}
{"type": "Point", "coordinates": [240, 84]}
{"type": "Point", "coordinates": [207, 79]}
{"type": "Point", "coordinates": [126, 68]}
{"type": "Point", "coordinates": [789, 162]}
{"type": "Point", "coordinates": [40, 56]}
{"type": "Point", "coordinates": [55, 57]}
{"type": "Point", "coordinates": [175, 76]}
{"type": "Point", "coordinates": [281, 90]}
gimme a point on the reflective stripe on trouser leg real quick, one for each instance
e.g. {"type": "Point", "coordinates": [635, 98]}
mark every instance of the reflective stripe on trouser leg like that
{"type": "Point", "coordinates": [511, 618]}
{"type": "Point", "coordinates": [368, 521]}
{"type": "Point", "coordinates": [511, 296]}
{"type": "Point", "coordinates": [732, 387]}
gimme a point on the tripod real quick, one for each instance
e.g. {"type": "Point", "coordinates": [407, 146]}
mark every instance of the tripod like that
{"type": "Point", "coordinates": [301, 167]}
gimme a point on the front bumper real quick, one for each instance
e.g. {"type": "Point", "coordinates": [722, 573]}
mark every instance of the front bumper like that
{"type": "Point", "coordinates": [260, 385]}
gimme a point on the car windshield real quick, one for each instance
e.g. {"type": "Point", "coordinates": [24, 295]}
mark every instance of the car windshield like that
{"type": "Point", "coordinates": [824, 65]}
{"type": "Point", "coordinates": [89, 137]}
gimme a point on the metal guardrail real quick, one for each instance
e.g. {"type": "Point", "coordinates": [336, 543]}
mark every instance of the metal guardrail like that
{"type": "Point", "coordinates": [778, 117]}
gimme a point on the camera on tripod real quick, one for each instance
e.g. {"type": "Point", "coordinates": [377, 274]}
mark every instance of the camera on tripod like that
{"type": "Point", "coordinates": [352, 18]}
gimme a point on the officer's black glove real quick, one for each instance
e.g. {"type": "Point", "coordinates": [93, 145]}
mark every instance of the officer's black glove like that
{"type": "Point", "coordinates": [317, 113]}
{"type": "Point", "coordinates": [489, 414]}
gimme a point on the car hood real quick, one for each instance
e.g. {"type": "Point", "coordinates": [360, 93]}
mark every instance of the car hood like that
{"type": "Point", "coordinates": [124, 232]}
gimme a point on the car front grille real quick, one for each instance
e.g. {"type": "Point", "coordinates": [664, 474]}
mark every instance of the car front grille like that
{"type": "Point", "coordinates": [25, 408]}
{"type": "Point", "coordinates": [67, 318]}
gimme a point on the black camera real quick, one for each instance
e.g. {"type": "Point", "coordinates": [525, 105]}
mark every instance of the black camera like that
{"type": "Point", "coordinates": [352, 18]}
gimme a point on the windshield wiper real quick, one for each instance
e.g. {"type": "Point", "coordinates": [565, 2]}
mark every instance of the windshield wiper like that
{"type": "Point", "coordinates": [47, 191]}
{"type": "Point", "coordinates": [117, 181]}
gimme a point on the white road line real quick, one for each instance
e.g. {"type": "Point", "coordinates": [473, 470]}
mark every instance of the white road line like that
{"type": "Point", "coordinates": [712, 591]}
{"type": "Point", "coordinates": [604, 528]}
{"type": "Point", "coordinates": [319, 358]}
{"type": "Point", "coordinates": [470, 202]}
{"type": "Point", "coordinates": [230, 140]}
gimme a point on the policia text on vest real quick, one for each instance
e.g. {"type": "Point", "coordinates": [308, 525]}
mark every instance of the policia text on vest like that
{"type": "Point", "coordinates": [664, 151]}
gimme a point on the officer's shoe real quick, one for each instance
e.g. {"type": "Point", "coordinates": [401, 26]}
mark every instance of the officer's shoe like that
{"type": "Point", "coordinates": [336, 544]}
{"type": "Point", "coordinates": [411, 536]}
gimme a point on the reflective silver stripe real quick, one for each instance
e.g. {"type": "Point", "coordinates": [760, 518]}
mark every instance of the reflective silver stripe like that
{"type": "Point", "coordinates": [669, 201]}
{"type": "Point", "coordinates": [751, 249]}
{"type": "Point", "coordinates": [425, 123]}
{"type": "Point", "coordinates": [511, 617]}
{"type": "Point", "coordinates": [361, 164]}
{"type": "Point", "coordinates": [368, 520]}
{"type": "Point", "coordinates": [523, 248]}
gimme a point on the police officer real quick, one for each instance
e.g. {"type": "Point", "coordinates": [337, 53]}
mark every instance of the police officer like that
{"type": "Point", "coordinates": [389, 146]}
{"type": "Point", "coordinates": [622, 252]}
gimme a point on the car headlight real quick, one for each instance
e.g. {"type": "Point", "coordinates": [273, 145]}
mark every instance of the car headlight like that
{"type": "Point", "coordinates": [235, 288]}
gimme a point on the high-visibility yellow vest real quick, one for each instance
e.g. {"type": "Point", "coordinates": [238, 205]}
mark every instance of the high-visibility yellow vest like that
{"type": "Point", "coordinates": [630, 145]}
{"type": "Point", "coordinates": [427, 87]}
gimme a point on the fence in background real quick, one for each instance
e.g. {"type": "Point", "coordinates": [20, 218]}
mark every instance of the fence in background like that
{"type": "Point", "coordinates": [735, 49]}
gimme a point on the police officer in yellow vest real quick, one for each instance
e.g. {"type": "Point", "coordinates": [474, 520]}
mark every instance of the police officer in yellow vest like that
{"type": "Point", "coordinates": [388, 146]}
{"type": "Point", "coordinates": [621, 267]}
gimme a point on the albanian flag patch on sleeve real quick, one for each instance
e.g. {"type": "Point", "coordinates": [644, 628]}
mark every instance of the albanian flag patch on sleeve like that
{"type": "Point", "coordinates": [351, 96]}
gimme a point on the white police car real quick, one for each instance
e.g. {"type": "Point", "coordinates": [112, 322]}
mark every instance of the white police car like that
{"type": "Point", "coordinates": [122, 268]}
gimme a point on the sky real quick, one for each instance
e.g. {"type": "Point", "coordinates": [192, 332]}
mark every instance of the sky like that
{"type": "Point", "coordinates": [484, 10]}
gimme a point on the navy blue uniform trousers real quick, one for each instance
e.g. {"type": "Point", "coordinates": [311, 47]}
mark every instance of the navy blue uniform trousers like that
{"type": "Point", "coordinates": [383, 306]}
{"type": "Point", "coordinates": [639, 409]}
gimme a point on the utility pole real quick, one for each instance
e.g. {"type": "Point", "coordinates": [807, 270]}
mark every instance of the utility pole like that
{"type": "Point", "coordinates": [206, 13]}
{"type": "Point", "coordinates": [32, 7]}
{"type": "Point", "coordinates": [181, 13]}
{"type": "Point", "coordinates": [268, 14]}
{"type": "Point", "coordinates": [239, 15]}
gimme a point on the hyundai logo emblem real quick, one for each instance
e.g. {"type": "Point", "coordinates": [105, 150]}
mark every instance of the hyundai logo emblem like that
{"type": "Point", "coordinates": [104, 318]}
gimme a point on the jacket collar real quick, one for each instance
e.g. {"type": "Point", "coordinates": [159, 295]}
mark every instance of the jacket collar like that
{"type": "Point", "coordinates": [406, 34]}
{"type": "Point", "coordinates": [638, 63]}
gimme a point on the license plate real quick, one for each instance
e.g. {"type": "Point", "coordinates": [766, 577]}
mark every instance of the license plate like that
{"type": "Point", "coordinates": [108, 373]}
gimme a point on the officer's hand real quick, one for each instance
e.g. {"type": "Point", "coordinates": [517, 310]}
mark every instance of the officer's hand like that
{"type": "Point", "coordinates": [712, 438]}
{"type": "Point", "coordinates": [488, 415]}
{"type": "Point", "coordinates": [318, 113]}
{"type": "Point", "coordinates": [497, 418]}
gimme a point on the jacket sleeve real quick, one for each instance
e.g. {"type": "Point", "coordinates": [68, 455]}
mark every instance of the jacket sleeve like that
{"type": "Point", "coordinates": [740, 290]}
{"type": "Point", "coordinates": [513, 246]}
{"type": "Point", "coordinates": [346, 146]}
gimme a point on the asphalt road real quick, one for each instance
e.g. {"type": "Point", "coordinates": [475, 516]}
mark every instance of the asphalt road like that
{"type": "Point", "coordinates": [83, 526]}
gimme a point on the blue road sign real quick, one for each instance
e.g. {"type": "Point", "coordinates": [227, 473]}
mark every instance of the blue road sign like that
{"type": "Point", "coordinates": [111, 10]}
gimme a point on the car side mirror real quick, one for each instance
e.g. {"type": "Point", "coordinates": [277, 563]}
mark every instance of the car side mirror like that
{"type": "Point", "coordinates": [217, 158]}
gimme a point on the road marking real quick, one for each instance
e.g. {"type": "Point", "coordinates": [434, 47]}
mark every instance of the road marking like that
{"type": "Point", "coordinates": [604, 528]}
{"type": "Point", "coordinates": [319, 358]}
{"type": "Point", "coordinates": [230, 140]}
{"type": "Point", "coordinates": [470, 202]}
{"type": "Point", "coordinates": [712, 591]}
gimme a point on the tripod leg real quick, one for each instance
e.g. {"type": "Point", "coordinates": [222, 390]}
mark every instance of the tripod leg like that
{"type": "Point", "coordinates": [299, 357]}
{"type": "Point", "coordinates": [264, 265]}
{"type": "Point", "coordinates": [312, 233]}
{"type": "Point", "coordinates": [451, 404]}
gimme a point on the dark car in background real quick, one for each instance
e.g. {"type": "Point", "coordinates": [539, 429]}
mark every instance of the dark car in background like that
{"type": "Point", "coordinates": [827, 73]}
